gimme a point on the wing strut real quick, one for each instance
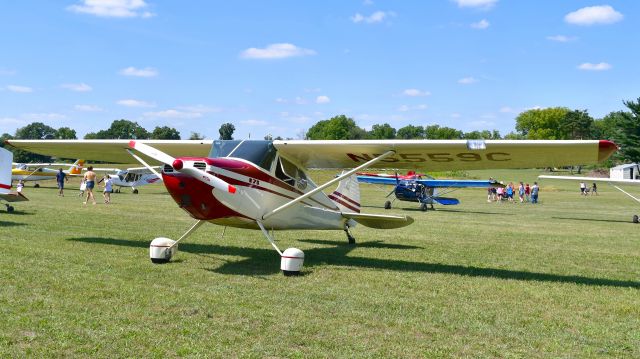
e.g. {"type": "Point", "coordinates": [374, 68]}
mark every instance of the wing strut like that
{"type": "Point", "coordinates": [625, 192]}
{"type": "Point", "coordinates": [144, 163]}
{"type": "Point", "coordinates": [337, 179]}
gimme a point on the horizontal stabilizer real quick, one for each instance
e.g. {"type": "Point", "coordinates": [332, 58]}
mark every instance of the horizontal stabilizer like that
{"type": "Point", "coordinates": [447, 201]}
{"type": "Point", "coordinates": [379, 221]}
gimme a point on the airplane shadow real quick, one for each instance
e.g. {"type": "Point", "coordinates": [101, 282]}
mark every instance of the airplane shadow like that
{"type": "Point", "coordinates": [593, 220]}
{"type": "Point", "coordinates": [10, 224]}
{"type": "Point", "coordinates": [266, 261]}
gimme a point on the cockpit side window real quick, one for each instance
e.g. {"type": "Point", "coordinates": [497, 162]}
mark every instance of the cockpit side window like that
{"type": "Point", "coordinates": [291, 174]}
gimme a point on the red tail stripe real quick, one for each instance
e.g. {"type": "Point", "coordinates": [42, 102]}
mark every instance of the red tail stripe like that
{"type": "Point", "coordinates": [346, 198]}
{"type": "Point", "coordinates": [5, 186]}
{"type": "Point", "coordinates": [338, 200]}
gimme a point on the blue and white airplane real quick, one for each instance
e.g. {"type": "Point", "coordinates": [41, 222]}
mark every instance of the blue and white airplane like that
{"type": "Point", "coordinates": [422, 188]}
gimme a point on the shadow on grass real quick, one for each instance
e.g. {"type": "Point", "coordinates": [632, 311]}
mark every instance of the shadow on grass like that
{"type": "Point", "coordinates": [266, 261]}
{"type": "Point", "coordinates": [10, 224]}
{"type": "Point", "coordinates": [593, 220]}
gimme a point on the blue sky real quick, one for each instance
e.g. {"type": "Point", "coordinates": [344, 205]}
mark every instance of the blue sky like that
{"type": "Point", "coordinates": [278, 67]}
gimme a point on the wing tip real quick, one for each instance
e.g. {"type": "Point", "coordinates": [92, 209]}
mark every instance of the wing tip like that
{"type": "Point", "coordinates": [606, 148]}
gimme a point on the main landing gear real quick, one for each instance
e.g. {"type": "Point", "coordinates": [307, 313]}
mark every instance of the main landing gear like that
{"type": "Point", "coordinates": [423, 207]}
{"type": "Point", "coordinates": [10, 208]}
{"type": "Point", "coordinates": [350, 238]}
{"type": "Point", "coordinates": [635, 218]}
{"type": "Point", "coordinates": [161, 249]}
{"type": "Point", "coordinates": [291, 259]}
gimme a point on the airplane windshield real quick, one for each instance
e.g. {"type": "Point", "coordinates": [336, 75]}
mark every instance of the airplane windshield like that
{"type": "Point", "coordinates": [260, 152]}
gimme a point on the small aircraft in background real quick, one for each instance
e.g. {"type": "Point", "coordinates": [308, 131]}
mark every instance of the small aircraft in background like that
{"type": "Point", "coordinates": [40, 172]}
{"type": "Point", "coordinates": [130, 177]}
{"type": "Point", "coordinates": [6, 195]}
{"type": "Point", "coordinates": [264, 185]}
{"type": "Point", "coordinates": [422, 188]}
{"type": "Point", "coordinates": [613, 182]}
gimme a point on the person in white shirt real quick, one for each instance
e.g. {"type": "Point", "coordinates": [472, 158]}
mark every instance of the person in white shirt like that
{"type": "Point", "coordinates": [583, 188]}
{"type": "Point", "coordinates": [108, 188]}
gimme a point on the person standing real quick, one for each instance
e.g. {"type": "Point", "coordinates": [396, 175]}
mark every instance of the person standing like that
{"type": "Point", "coordinates": [583, 188]}
{"type": "Point", "coordinates": [594, 189]}
{"type": "Point", "coordinates": [534, 192]}
{"type": "Point", "coordinates": [527, 192]}
{"type": "Point", "coordinates": [108, 187]}
{"type": "Point", "coordinates": [61, 177]}
{"type": "Point", "coordinates": [521, 191]}
{"type": "Point", "coordinates": [20, 186]}
{"type": "Point", "coordinates": [90, 181]}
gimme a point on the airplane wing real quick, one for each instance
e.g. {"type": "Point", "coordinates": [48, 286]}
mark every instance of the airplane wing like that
{"type": "Point", "coordinates": [113, 151]}
{"type": "Point", "coordinates": [443, 155]}
{"type": "Point", "coordinates": [378, 180]}
{"type": "Point", "coordinates": [379, 221]}
{"type": "Point", "coordinates": [593, 179]}
{"type": "Point", "coordinates": [444, 183]}
{"type": "Point", "coordinates": [13, 197]}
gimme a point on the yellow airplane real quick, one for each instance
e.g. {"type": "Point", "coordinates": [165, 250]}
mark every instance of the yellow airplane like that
{"type": "Point", "coordinates": [38, 171]}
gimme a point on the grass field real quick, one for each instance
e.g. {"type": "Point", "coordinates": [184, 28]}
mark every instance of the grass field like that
{"type": "Point", "coordinates": [558, 279]}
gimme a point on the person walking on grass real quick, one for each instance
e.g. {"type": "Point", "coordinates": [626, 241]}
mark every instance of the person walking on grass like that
{"type": "Point", "coordinates": [534, 193]}
{"type": "Point", "coordinates": [527, 192]}
{"type": "Point", "coordinates": [521, 192]}
{"type": "Point", "coordinates": [594, 189]}
{"type": "Point", "coordinates": [90, 182]}
{"type": "Point", "coordinates": [60, 178]}
{"type": "Point", "coordinates": [108, 187]}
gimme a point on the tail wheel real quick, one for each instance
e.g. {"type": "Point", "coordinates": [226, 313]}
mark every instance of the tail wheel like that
{"type": "Point", "coordinates": [423, 207]}
{"type": "Point", "coordinates": [37, 185]}
{"type": "Point", "coordinates": [10, 209]}
{"type": "Point", "coordinates": [635, 218]}
{"type": "Point", "coordinates": [387, 205]}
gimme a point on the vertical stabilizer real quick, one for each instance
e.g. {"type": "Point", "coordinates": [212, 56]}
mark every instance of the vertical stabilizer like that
{"type": "Point", "coordinates": [6, 157]}
{"type": "Point", "coordinates": [76, 168]}
{"type": "Point", "coordinates": [347, 195]}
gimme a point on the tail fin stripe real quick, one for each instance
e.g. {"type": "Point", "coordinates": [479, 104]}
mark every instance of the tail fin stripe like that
{"type": "Point", "coordinates": [338, 194]}
{"type": "Point", "coordinates": [5, 186]}
{"type": "Point", "coordinates": [336, 199]}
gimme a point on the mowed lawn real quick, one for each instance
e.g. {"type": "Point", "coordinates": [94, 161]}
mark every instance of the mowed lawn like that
{"type": "Point", "coordinates": [558, 279]}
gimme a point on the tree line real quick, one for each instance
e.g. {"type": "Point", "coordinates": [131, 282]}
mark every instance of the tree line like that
{"type": "Point", "coordinates": [553, 123]}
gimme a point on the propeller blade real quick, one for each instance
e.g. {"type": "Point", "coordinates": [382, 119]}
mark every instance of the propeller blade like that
{"type": "Point", "coordinates": [152, 152]}
{"type": "Point", "coordinates": [181, 167]}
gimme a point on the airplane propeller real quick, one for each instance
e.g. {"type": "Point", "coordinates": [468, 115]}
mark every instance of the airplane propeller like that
{"type": "Point", "coordinates": [183, 167]}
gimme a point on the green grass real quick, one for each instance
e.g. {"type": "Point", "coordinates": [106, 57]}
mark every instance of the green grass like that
{"type": "Point", "coordinates": [560, 279]}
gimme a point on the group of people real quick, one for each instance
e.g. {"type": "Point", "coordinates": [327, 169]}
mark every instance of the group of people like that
{"type": "Point", "coordinates": [525, 192]}
{"type": "Point", "coordinates": [584, 191]}
{"type": "Point", "coordinates": [87, 185]}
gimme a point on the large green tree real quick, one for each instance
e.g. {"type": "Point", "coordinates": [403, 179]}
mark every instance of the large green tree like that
{"type": "Point", "coordinates": [628, 137]}
{"type": "Point", "coordinates": [435, 132]}
{"type": "Point", "coordinates": [607, 128]}
{"type": "Point", "coordinates": [121, 129]}
{"type": "Point", "coordinates": [226, 131]}
{"type": "Point", "coordinates": [541, 124]}
{"type": "Point", "coordinates": [196, 136]}
{"type": "Point", "coordinates": [66, 133]}
{"type": "Point", "coordinates": [336, 128]}
{"type": "Point", "coordinates": [165, 133]}
{"type": "Point", "coordinates": [410, 132]}
{"type": "Point", "coordinates": [577, 125]}
{"type": "Point", "coordinates": [33, 131]}
{"type": "Point", "coordinates": [382, 132]}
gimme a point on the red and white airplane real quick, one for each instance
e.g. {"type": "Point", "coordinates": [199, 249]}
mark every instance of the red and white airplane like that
{"type": "Point", "coordinates": [264, 184]}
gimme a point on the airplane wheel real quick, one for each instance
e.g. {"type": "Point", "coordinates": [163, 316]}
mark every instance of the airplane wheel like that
{"type": "Point", "coordinates": [635, 218]}
{"type": "Point", "coordinates": [36, 185]}
{"type": "Point", "coordinates": [387, 205]}
{"type": "Point", "coordinates": [135, 191]}
{"type": "Point", "coordinates": [423, 207]}
{"type": "Point", "coordinates": [10, 209]}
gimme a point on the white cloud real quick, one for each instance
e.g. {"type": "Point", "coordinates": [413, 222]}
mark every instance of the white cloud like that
{"type": "Point", "coordinates": [507, 109]}
{"type": "Point", "coordinates": [200, 109]}
{"type": "Point", "coordinates": [276, 51]}
{"type": "Point", "coordinates": [19, 89]}
{"type": "Point", "coordinates": [405, 108]}
{"type": "Point", "coordinates": [11, 121]}
{"type": "Point", "coordinates": [367, 2]}
{"type": "Point", "coordinates": [592, 15]}
{"type": "Point", "coordinates": [323, 99]}
{"type": "Point", "coordinates": [112, 8]}
{"type": "Point", "coordinates": [132, 71]}
{"type": "Point", "coordinates": [561, 38]}
{"type": "Point", "coordinates": [587, 66]}
{"type": "Point", "coordinates": [135, 103]}
{"type": "Point", "coordinates": [480, 25]}
{"type": "Point", "coordinates": [485, 4]}
{"type": "Point", "coordinates": [82, 87]}
{"type": "Point", "coordinates": [254, 122]}
{"type": "Point", "coordinates": [467, 80]}
{"type": "Point", "coordinates": [171, 113]}
{"type": "Point", "coordinates": [87, 108]}
{"type": "Point", "coordinates": [43, 116]}
{"type": "Point", "coordinates": [300, 101]}
{"type": "Point", "coordinates": [415, 93]}
{"type": "Point", "coordinates": [376, 17]}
